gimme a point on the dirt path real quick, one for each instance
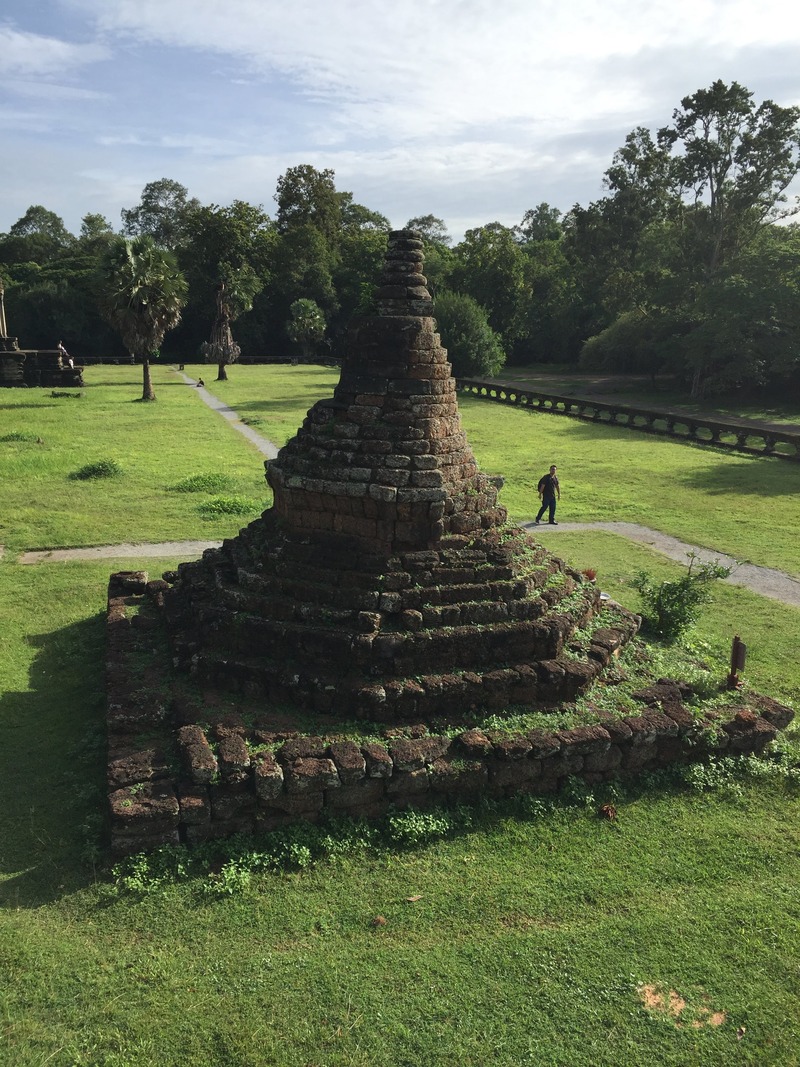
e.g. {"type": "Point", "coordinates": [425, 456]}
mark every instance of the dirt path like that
{"type": "Point", "coordinates": [164, 550]}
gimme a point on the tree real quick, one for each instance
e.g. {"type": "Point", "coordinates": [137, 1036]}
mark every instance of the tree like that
{"type": "Point", "coordinates": [734, 163]}
{"type": "Point", "coordinates": [306, 326]}
{"type": "Point", "coordinates": [141, 293]}
{"type": "Point", "coordinates": [356, 217]}
{"type": "Point", "coordinates": [489, 267]}
{"type": "Point", "coordinates": [39, 236]}
{"type": "Point", "coordinates": [676, 239]}
{"type": "Point", "coordinates": [433, 229]}
{"type": "Point", "coordinates": [472, 345]}
{"type": "Point", "coordinates": [541, 223]}
{"type": "Point", "coordinates": [307, 196]}
{"type": "Point", "coordinates": [221, 348]}
{"type": "Point", "coordinates": [234, 245]}
{"type": "Point", "coordinates": [162, 213]}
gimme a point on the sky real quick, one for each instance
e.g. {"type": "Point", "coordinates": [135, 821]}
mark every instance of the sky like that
{"type": "Point", "coordinates": [470, 110]}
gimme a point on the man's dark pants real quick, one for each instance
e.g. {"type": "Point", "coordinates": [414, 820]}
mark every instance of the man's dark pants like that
{"type": "Point", "coordinates": [548, 502]}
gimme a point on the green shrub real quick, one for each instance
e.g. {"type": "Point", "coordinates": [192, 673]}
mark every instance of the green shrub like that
{"type": "Point", "coordinates": [672, 607]}
{"type": "Point", "coordinates": [103, 468]}
{"type": "Point", "coordinates": [227, 505]}
{"type": "Point", "coordinates": [203, 483]}
{"type": "Point", "coordinates": [20, 435]}
{"type": "Point", "coordinates": [472, 345]}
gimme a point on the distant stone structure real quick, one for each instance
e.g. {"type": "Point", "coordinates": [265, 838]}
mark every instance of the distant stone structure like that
{"type": "Point", "coordinates": [385, 584]}
{"type": "Point", "coordinates": [29, 366]}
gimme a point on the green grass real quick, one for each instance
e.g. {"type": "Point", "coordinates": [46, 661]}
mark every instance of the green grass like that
{"type": "Point", "coordinates": [533, 932]}
{"type": "Point", "coordinates": [157, 445]}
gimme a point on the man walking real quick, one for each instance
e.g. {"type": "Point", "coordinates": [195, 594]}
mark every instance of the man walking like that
{"type": "Point", "coordinates": [549, 490]}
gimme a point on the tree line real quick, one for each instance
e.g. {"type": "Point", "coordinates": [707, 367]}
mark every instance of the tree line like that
{"type": "Point", "coordinates": [688, 265]}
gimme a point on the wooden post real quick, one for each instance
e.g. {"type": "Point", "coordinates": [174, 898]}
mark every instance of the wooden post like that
{"type": "Point", "coordinates": [738, 656]}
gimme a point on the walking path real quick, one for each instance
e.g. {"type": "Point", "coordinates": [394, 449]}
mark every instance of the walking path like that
{"type": "Point", "coordinates": [774, 584]}
{"type": "Point", "coordinates": [777, 585]}
{"type": "Point", "coordinates": [265, 447]}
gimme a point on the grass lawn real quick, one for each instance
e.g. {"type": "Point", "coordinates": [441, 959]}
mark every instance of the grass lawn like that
{"type": "Point", "coordinates": [44, 440]}
{"type": "Point", "coordinates": [545, 937]}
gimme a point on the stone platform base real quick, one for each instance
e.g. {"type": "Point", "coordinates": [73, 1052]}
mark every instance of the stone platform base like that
{"type": "Point", "coordinates": [186, 765]}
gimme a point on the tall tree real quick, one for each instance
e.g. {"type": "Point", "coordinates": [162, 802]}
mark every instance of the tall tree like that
{"type": "Point", "coordinates": [233, 245]}
{"type": "Point", "coordinates": [141, 293]}
{"type": "Point", "coordinates": [734, 162]}
{"type": "Point", "coordinates": [307, 196]}
{"type": "Point", "coordinates": [675, 240]}
{"type": "Point", "coordinates": [221, 347]}
{"type": "Point", "coordinates": [39, 236]}
{"type": "Point", "coordinates": [489, 267]}
{"type": "Point", "coordinates": [432, 228]}
{"type": "Point", "coordinates": [162, 213]}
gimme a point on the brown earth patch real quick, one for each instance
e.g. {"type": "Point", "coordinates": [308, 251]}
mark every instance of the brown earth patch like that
{"type": "Point", "coordinates": [671, 1004]}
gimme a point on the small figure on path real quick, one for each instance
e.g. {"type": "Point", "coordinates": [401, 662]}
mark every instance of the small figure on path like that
{"type": "Point", "coordinates": [200, 383]}
{"type": "Point", "coordinates": [549, 491]}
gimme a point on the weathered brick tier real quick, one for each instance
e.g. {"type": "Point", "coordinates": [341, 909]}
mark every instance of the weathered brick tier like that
{"type": "Point", "coordinates": [182, 772]}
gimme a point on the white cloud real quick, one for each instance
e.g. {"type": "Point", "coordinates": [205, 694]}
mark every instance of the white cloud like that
{"type": "Point", "coordinates": [412, 68]}
{"type": "Point", "coordinates": [31, 55]}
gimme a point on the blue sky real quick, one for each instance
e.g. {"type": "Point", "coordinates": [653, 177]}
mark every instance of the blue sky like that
{"type": "Point", "coordinates": [473, 110]}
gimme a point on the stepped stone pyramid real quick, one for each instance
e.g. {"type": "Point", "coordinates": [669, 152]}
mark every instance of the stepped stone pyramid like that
{"type": "Point", "coordinates": [386, 583]}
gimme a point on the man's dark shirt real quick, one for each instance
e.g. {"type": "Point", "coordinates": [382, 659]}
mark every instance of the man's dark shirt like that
{"type": "Point", "coordinates": [548, 486]}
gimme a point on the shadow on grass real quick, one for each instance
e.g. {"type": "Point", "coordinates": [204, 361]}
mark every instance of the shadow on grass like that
{"type": "Point", "coordinates": [749, 476]}
{"type": "Point", "coordinates": [52, 786]}
{"type": "Point", "coordinates": [18, 407]}
{"type": "Point", "coordinates": [273, 406]}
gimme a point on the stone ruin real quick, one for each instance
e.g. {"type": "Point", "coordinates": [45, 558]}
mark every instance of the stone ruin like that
{"type": "Point", "coordinates": [384, 585]}
{"type": "Point", "coordinates": [30, 366]}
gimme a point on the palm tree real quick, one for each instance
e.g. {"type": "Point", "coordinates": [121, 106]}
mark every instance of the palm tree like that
{"type": "Point", "coordinates": [141, 294]}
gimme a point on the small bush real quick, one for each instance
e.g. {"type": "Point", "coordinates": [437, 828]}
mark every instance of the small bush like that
{"type": "Point", "coordinates": [203, 483]}
{"type": "Point", "coordinates": [418, 827]}
{"type": "Point", "coordinates": [58, 394]}
{"type": "Point", "coordinates": [20, 435]}
{"type": "Point", "coordinates": [227, 505]}
{"type": "Point", "coordinates": [103, 468]}
{"type": "Point", "coordinates": [672, 607]}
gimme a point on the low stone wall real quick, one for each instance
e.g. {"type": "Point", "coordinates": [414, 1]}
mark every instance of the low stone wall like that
{"type": "Point", "coordinates": [173, 779]}
{"type": "Point", "coordinates": [732, 435]}
{"type": "Point", "coordinates": [32, 368]}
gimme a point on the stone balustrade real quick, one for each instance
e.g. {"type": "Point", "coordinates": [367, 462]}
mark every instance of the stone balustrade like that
{"type": "Point", "coordinates": [733, 435]}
